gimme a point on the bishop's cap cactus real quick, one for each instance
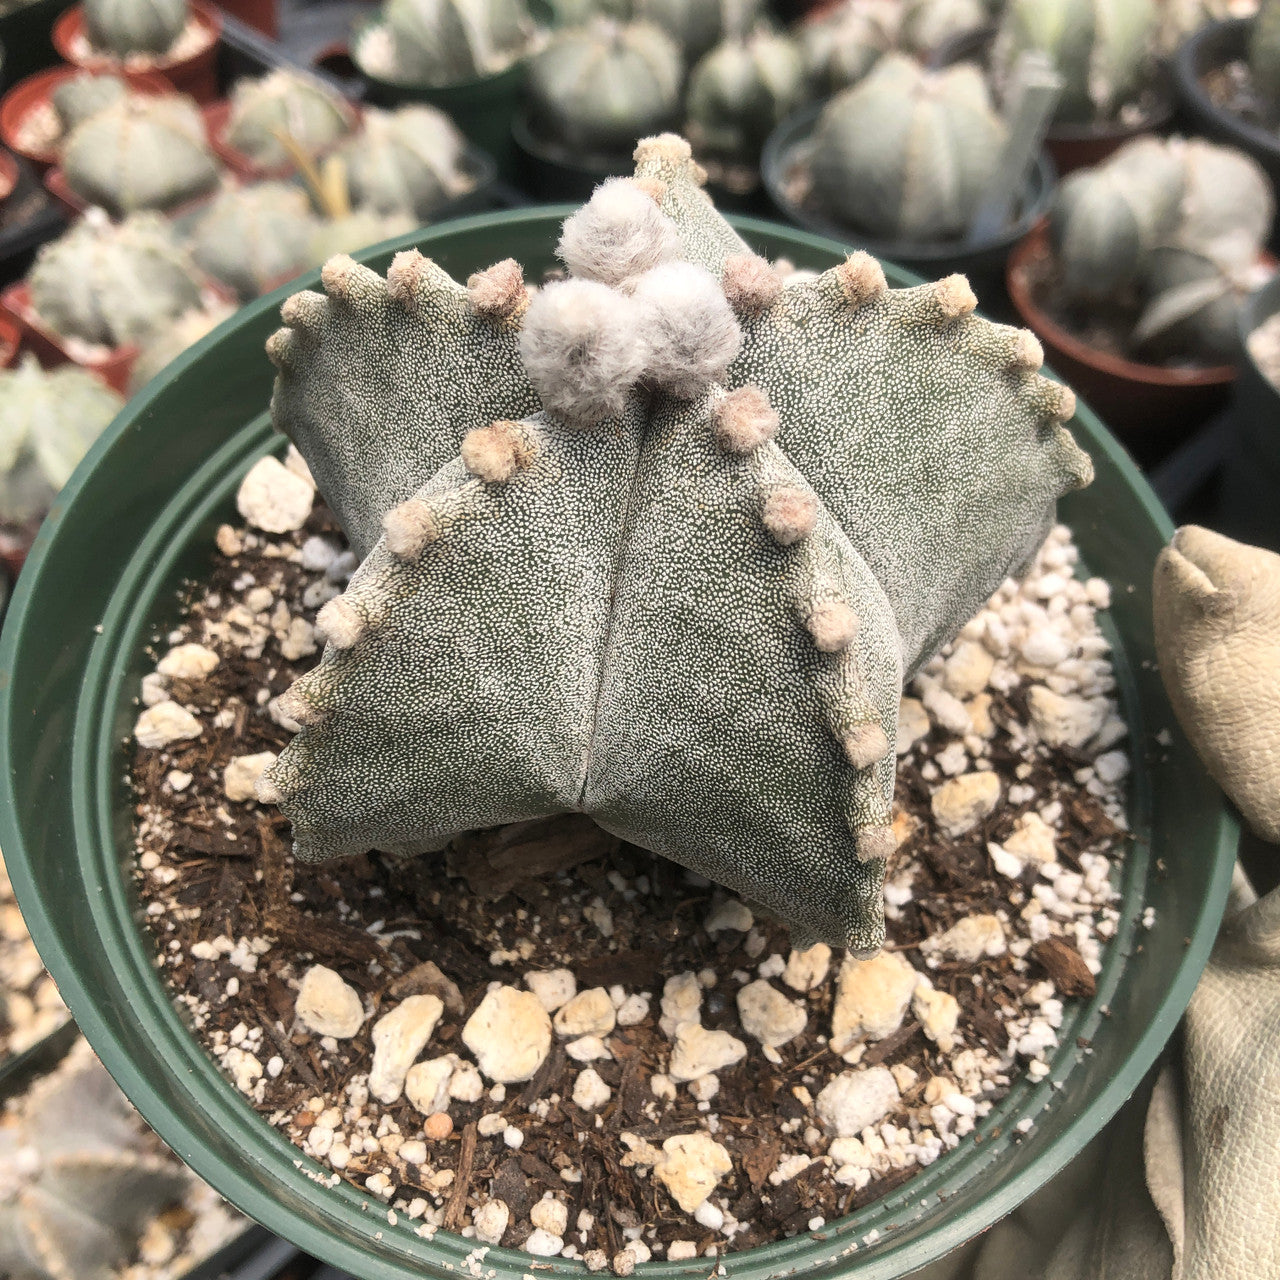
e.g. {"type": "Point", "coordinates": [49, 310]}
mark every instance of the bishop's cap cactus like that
{"type": "Point", "coordinates": [668, 559]}
{"type": "Point", "coordinates": [840, 47]}
{"type": "Point", "coordinates": [289, 102]}
{"type": "Point", "coordinates": [126, 27]}
{"type": "Point", "coordinates": [84, 95]}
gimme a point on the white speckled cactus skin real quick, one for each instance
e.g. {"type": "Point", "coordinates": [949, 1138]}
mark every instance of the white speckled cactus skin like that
{"type": "Point", "coordinates": [113, 283]}
{"type": "Point", "coordinates": [907, 153]}
{"type": "Point", "coordinates": [75, 1186]}
{"type": "Point", "coordinates": [407, 161]}
{"type": "Point", "coordinates": [1104, 50]}
{"type": "Point", "coordinates": [682, 598]}
{"type": "Point", "coordinates": [47, 423]}
{"type": "Point", "coordinates": [124, 27]}
{"type": "Point", "coordinates": [141, 152]}
{"type": "Point", "coordinates": [311, 113]}
{"type": "Point", "coordinates": [82, 96]}
{"type": "Point", "coordinates": [604, 85]}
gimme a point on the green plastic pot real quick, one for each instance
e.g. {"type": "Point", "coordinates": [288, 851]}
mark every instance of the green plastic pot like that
{"type": "Point", "coordinates": [139, 517]}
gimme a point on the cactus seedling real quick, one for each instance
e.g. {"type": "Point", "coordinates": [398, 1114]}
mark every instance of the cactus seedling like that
{"type": "Point", "coordinates": [125, 27]}
{"type": "Point", "coordinates": [431, 43]}
{"type": "Point", "coordinates": [141, 152]}
{"type": "Point", "coordinates": [47, 423]}
{"type": "Point", "coordinates": [284, 102]}
{"type": "Point", "coordinates": [602, 86]}
{"type": "Point", "coordinates": [657, 544]}
{"type": "Point", "coordinates": [113, 284]}
{"type": "Point", "coordinates": [907, 153]}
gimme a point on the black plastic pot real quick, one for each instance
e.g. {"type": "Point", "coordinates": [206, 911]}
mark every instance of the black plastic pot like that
{"type": "Point", "coordinates": [983, 262]}
{"type": "Point", "coordinates": [550, 171]}
{"type": "Point", "coordinates": [1214, 46]}
{"type": "Point", "coordinates": [25, 35]}
{"type": "Point", "coordinates": [42, 221]}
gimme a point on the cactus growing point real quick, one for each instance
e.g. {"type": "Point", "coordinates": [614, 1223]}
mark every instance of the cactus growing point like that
{"type": "Point", "coordinates": [660, 579]}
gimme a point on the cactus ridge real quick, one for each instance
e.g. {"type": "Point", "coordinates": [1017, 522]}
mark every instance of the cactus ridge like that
{"type": "Point", "coordinates": [686, 611]}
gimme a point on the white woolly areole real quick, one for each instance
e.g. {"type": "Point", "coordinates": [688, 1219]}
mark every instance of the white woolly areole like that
{"type": "Point", "coordinates": [833, 626]}
{"type": "Point", "coordinates": [789, 513]}
{"type": "Point", "coordinates": [690, 329]}
{"type": "Point", "coordinates": [865, 744]}
{"type": "Point", "coordinates": [339, 623]}
{"type": "Point", "coordinates": [876, 842]}
{"type": "Point", "coordinates": [619, 233]}
{"type": "Point", "coordinates": [409, 527]}
{"type": "Point", "coordinates": [742, 422]}
{"type": "Point", "coordinates": [582, 350]}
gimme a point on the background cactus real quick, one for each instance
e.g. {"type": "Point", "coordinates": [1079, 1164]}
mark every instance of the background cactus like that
{"type": "Point", "coordinates": [254, 238]}
{"type": "Point", "coordinates": [928, 24]}
{"type": "Point", "coordinates": [842, 46]}
{"type": "Point", "coordinates": [1264, 56]}
{"type": "Point", "coordinates": [125, 27]}
{"type": "Point", "coordinates": [696, 25]}
{"type": "Point", "coordinates": [78, 1180]}
{"type": "Point", "coordinates": [601, 86]}
{"type": "Point", "coordinates": [83, 95]}
{"type": "Point", "coordinates": [141, 152]}
{"type": "Point", "coordinates": [1103, 49]}
{"type": "Point", "coordinates": [113, 284]}
{"type": "Point", "coordinates": [408, 161]}
{"type": "Point", "coordinates": [353, 230]}
{"type": "Point", "coordinates": [907, 153]}
{"type": "Point", "coordinates": [441, 42]}
{"type": "Point", "coordinates": [311, 113]}
{"type": "Point", "coordinates": [171, 341]}
{"type": "Point", "coordinates": [740, 91]}
{"type": "Point", "coordinates": [681, 598]}
{"type": "Point", "coordinates": [47, 423]}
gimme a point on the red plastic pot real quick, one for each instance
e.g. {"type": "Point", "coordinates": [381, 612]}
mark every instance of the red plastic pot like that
{"type": "Point", "coordinates": [8, 175]}
{"type": "Point", "coordinates": [196, 74]}
{"type": "Point", "coordinates": [216, 117]}
{"type": "Point", "coordinates": [37, 91]}
{"type": "Point", "coordinates": [1150, 407]}
{"type": "Point", "coordinates": [10, 341]}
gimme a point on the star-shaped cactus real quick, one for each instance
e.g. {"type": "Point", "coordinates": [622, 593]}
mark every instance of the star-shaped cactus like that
{"type": "Point", "coordinates": [658, 543]}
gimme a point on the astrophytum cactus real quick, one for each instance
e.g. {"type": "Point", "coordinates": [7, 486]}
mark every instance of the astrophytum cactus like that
{"type": "Point", "coordinates": [78, 1180]}
{"type": "Point", "coordinates": [696, 25]}
{"type": "Point", "coordinates": [603, 86]}
{"type": "Point", "coordinates": [171, 341]}
{"type": "Point", "coordinates": [407, 161]}
{"type": "Point", "coordinates": [113, 284]}
{"type": "Point", "coordinates": [125, 27]}
{"type": "Point", "coordinates": [740, 91]}
{"type": "Point", "coordinates": [141, 152]}
{"type": "Point", "coordinates": [875, 144]}
{"type": "Point", "coordinates": [1103, 49]}
{"type": "Point", "coordinates": [255, 238]}
{"type": "Point", "coordinates": [289, 102]}
{"type": "Point", "coordinates": [842, 46]}
{"type": "Point", "coordinates": [48, 420]}
{"type": "Point", "coordinates": [84, 95]}
{"type": "Point", "coordinates": [928, 24]}
{"type": "Point", "coordinates": [348, 232]}
{"type": "Point", "coordinates": [431, 43]}
{"type": "Point", "coordinates": [1264, 56]}
{"type": "Point", "coordinates": [657, 543]}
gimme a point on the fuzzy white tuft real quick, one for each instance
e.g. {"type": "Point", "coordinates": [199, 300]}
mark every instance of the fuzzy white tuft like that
{"type": "Point", "coordinates": [495, 453]}
{"type": "Point", "coordinates": [789, 513]}
{"type": "Point", "coordinates": [744, 420]}
{"type": "Point", "coordinates": [750, 284]}
{"type": "Point", "coordinates": [833, 626]}
{"type": "Point", "coordinates": [953, 297]}
{"type": "Point", "coordinates": [619, 233]}
{"type": "Point", "coordinates": [865, 745]}
{"type": "Point", "coordinates": [498, 293]}
{"type": "Point", "coordinates": [582, 350]}
{"type": "Point", "coordinates": [409, 527]}
{"type": "Point", "coordinates": [339, 623]}
{"type": "Point", "coordinates": [294, 706]}
{"type": "Point", "coordinates": [689, 328]}
{"type": "Point", "coordinates": [266, 790]}
{"type": "Point", "coordinates": [304, 310]}
{"type": "Point", "coordinates": [876, 842]}
{"type": "Point", "coordinates": [861, 278]}
{"type": "Point", "coordinates": [1025, 352]}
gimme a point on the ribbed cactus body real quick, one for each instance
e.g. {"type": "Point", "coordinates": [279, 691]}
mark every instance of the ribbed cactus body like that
{"type": "Point", "coordinates": [77, 1179]}
{"type": "Point", "coordinates": [442, 42]}
{"type": "Point", "coordinates": [696, 25]}
{"type": "Point", "coordinates": [84, 95]}
{"type": "Point", "coordinates": [1103, 49]}
{"type": "Point", "coordinates": [603, 86]}
{"type": "Point", "coordinates": [124, 27]}
{"type": "Point", "coordinates": [740, 91]}
{"type": "Point", "coordinates": [311, 113]}
{"type": "Point", "coordinates": [354, 231]}
{"type": "Point", "coordinates": [141, 152]}
{"type": "Point", "coordinates": [171, 341]}
{"type": "Point", "coordinates": [408, 161]}
{"type": "Point", "coordinates": [113, 284]}
{"type": "Point", "coordinates": [928, 24]}
{"type": "Point", "coordinates": [1194, 301]}
{"type": "Point", "coordinates": [842, 46]}
{"type": "Point", "coordinates": [1264, 55]}
{"type": "Point", "coordinates": [255, 238]}
{"type": "Point", "coordinates": [907, 153]}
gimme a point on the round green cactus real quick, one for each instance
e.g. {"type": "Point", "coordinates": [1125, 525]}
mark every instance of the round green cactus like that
{"type": "Point", "coordinates": [408, 161]}
{"type": "Point", "coordinates": [432, 43]}
{"type": "Point", "coordinates": [601, 86]}
{"type": "Point", "coordinates": [287, 102]}
{"type": "Point", "coordinates": [113, 284]}
{"type": "Point", "coordinates": [126, 27]}
{"type": "Point", "coordinates": [1103, 49]}
{"type": "Point", "coordinates": [255, 238]}
{"type": "Point", "coordinates": [907, 153]}
{"type": "Point", "coordinates": [842, 46]}
{"type": "Point", "coordinates": [740, 91]}
{"type": "Point", "coordinates": [48, 420]}
{"type": "Point", "coordinates": [84, 95]}
{"type": "Point", "coordinates": [141, 152]}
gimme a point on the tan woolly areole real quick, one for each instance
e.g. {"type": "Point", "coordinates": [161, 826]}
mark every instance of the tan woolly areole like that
{"type": "Point", "coordinates": [861, 278]}
{"type": "Point", "coordinates": [876, 844]}
{"type": "Point", "coordinates": [496, 452]}
{"type": "Point", "coordinates": [340, 624]}
{"type": "Point", "coordinates": [498, 293]}
{"type": "Point", "coordinates": [954, 297]}
{"type": "Point", "coordinates": [750, 283]}
{"type": "Point", "coordinates": [833, 626]}
{"type": "Point", "coordinates": [789, 513]}
{"type": "Point", "coordinates": [409, 527]}
{"type": "Point", "coordinates": [865, 744]}
{"type": "Point", "coordinates": [744, 420]}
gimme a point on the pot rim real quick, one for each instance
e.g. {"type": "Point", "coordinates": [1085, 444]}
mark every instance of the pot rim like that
{"type": "Point", "coordinates": [71, 21]}
{"type": "Point", "coordinates": [91, 751]}
{"type": "Point", "coordinates": [1035, 245]}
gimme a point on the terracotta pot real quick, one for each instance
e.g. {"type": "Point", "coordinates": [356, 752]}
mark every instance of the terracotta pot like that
{"type": "Point", "coordinates": [216, 117]}
{"type": "Point", "coordinates": [8, 175]}
{"type": "Point", "coordinates": [37, 91]}
{"type": "Point", "coordinates": [10, 340]}
{"type": "Point", "coordinates": [196, 74]}
{"type": "Point", "coordinates": [1152, 407]}
{"type": "Point", "coordinates": [261, 15]}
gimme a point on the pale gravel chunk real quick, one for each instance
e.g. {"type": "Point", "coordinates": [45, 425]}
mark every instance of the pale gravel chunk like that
{"type": "Point", "coordinates": [913, 724]}
{"type": "Point", "coordinates": [590, 1091]}
{"type": "Point", "coordinates": [1032, 840]}
{"type": "Point", "coordinates": [274, 498]}
{"type": "Point", "coordinates": [553, 987]}
{"type": "Point", "coordinates": [968, 940]}
{"type": "Point", "coordinates": [328, 1006]}
{"type": "Point", "coordinates": [967, 670]}
{"type": "Point", "coordinates": [699, 1052]}
{"type": "Point", "coordinates": [681, 1003]}
{"type": "Point", "coordinates": [938, 1013]}
{"type": "Point", "coordinates": [872, 997]}
{"type": "Point", "coordinates": [1063, 721]}
{"type": "Point", "coordinates": [856, 1099]}
{"type": "Point", "coordinates": [768, 1015]}
{"type": "Point", "coordinates": [551, 1215]}
{"type": "Point", "coordinates": [188, 662]}
{"type": "Point", "coordinates": [633, 1010]}
{"type": "Point", "coordinates": [690, 1166]}
{"type": "Point", "coordinates": [426, 1084]}
{"type": "Point", "coordinates": [165, 723]}
{"type": "Point", "coordinates": [398, 1038]}
{"type": "Point", "coordinates": [729, 914]}
{"type": "Point", "coordinates": [587, 1049]}
{"type": "Point", "coordinates": [589, 1013]}
{"type": "Point", "coordinates": [807, 969]}
{"type": "Point", "coordinates": [510, 1035]}
{"type": "Point", "coordinates": [490, 1221]}
{"type": "Point", "coordinates": [961, 803]}
{"type": "Point", "coordinates": [242, 773]}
